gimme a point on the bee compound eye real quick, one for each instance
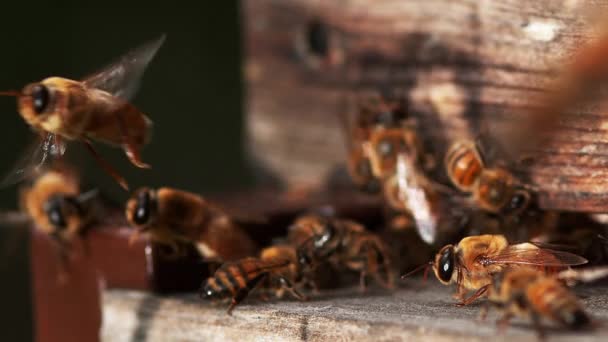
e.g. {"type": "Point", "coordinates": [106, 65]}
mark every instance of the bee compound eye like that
{"type": "Point", "coordinates": [144, 208]}
{"type": "Point", "coordinates": [446, 265]}
{"type": "Point", "coordinates": [518, 201]}
{"type": "Point", "coordinates": [53, 208]}
{"type": "Point", "coordinates": [385, 148]}
{"type": "Point", "coordinates": [40, 98]}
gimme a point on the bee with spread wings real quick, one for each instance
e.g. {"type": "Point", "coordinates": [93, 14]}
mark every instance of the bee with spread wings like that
{"type": "Point", "coordinates": [475, 259]}
{"type": "Point", "coordinates": [94, 108]}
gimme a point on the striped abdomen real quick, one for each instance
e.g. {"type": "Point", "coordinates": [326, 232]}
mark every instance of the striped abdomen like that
{"type": "Point", "coordinates": [550, 298]}
{"type": "Point", "coordinates": [463, 165]}
{"type": "Point", "coordinates": [233, 277]}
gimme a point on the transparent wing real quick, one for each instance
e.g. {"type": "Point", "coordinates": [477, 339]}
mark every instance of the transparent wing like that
{"type": "Point", "coordinates": [416, 199]}
{"type": "Point", "coordinates": [536, 256]}
{"type": "Point", "coordinates": [122, 77]}
{"type": "Point", "coordinates": [35, 157]}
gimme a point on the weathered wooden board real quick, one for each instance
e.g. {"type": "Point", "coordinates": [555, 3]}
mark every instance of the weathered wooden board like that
{"type": "Point", "coordinates": [462, 65]}
{"type": "Point", "coordinates": [412, 313]}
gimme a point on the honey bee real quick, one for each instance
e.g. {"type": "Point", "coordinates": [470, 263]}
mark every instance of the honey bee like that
{"type": "Point", "coordinates": [534, 294]}
{"type": "Point", "coordinates": [57, 207]}
{"type": "Point", "coordinates": [343, 243]}
{"type": "Point", "coordinates": [375, 113]}
{"type": "Point", "coordinates": [291, 276]}
{"type": "Point", "coordinates": [472, 263]}
{"type": "Point", "coordinates": [174, 217]}
{"type": "Point", "coordinates": [493, 189]}
{"type": "Point", "coordinates": [94, 108]}
{"type": "Point", "coordinates": [236, 279]}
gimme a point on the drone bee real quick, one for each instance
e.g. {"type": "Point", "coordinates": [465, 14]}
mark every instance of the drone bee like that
{"type": "Point", "coordinates": [343, 243]}
{"type": "Point", "coordinates": [173, 217]}
{"type": "Point", "coordinates": [493, 189]}
{"type": "Point", "coordinates": [471, 263]}
{"type": "Point", "coordinates": [94, 108]}
{"type": "Point", "coordinates": [535, 294]}
{"type": "Point", "coordinates": [236, 279]}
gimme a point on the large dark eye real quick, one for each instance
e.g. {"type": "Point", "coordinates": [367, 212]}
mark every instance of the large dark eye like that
{"type": "Point", "coordinates": [518, 202]}
{"type": "Point", "coordinates": [40, 98]}
{"type": "Point", "coordinates": [303, 258]}
{"type": "Point", "coordinates": [318, 38]}
{"type": "Point", "coordinates": [446, 265]}
{"type": "Point", "coordinates": [385, 148]}
{"type": "Point", "coordinates": [144, 207]}
{"type": "Point", "coordinates": [53, 210]}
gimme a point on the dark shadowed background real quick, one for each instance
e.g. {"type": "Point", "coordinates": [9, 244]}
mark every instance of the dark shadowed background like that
{"type": "Point", "coordinates": [191, 90]}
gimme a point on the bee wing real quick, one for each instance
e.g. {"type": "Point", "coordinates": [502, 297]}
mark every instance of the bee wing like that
{"type": "Point", "coordinates": [535, 256]}
{"type": "Point", "coordinates": [416, 199]}
{"type": "Point", "coordinates": [36, 156]}
{"type": "Point", "coordinates": [122, 77]}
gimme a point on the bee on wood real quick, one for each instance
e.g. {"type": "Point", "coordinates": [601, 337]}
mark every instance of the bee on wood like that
{"type": "Point", "coordinates": [94, 108]}
{"type": "Point", "coordinates": [291, 276]}
{"type": "Point", "coordinates": [536, 295]}
{"type": "Point", "coordinates": [472, 263]}
{"type": "Point", "coordinates": [237, 279]}
{"type": "Point", "coordinates": [175, 217]}
{"type": "Point", "coordinates": [372, 114]}
{"type": "Point", "coordinates": [343, 243]}
{"type": "Point", "coordinates": [493, 189]}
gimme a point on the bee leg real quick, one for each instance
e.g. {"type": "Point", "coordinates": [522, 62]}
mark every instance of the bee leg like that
{"type": "Point", "coordinates": [134, 156]}
{"type": "Point", "coordinates": [474, 296]}
{"type": "Point", "coordinates": [503, 323]}
{"type": "Point", "coordinates": [362, 281]}
{"type": "Point", "coordinates": [483, 313]}
{"type": "Point", "coordinates": [243, 292]}
{"type": "Point", "coordinates": [105, 165]}
{"type": "Point", "coordinates": [131, 150]}
{"type": "Point", "coordinates": [240, 295]}
{"type": "Point", "coordinates": [286, 284]}
{"type": "Point", "coordinates": [540, 331]}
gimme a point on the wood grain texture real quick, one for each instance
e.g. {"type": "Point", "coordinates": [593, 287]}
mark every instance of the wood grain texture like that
{"type": "Point", "coordinates": [465, 68]}
{"type": "Point", "coordinates": [413, 313]}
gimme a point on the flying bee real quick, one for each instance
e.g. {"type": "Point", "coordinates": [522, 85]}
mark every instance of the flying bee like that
{"type": "Point", "coordinates": [236, 279]}
{"type": "Point", "coordinates": [56, 206]}
{"type": "Point", "coordinates": [291, 276]}
{"type": "Point", "coordinates": [534, 294]}
{"type": "Point", "coordinates": [343, 243]}
{"type": "Point", "coordinates": [94, 108]}
{"type": "Point", "coordinates": [472, 263]}
{"type": "Point", "coordinates": [174, 217]}
{"type": "Point", "coordinates": [493, 189]}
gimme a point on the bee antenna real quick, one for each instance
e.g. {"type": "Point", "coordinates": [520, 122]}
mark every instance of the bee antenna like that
{"type": "Point", "coordinates": [424, 267]}
{"type": "Point", "coordinates": [10, 93]}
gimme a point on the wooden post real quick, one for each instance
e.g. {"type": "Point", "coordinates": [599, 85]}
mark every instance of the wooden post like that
{"type": "Point", "coordinates": [464, 67]}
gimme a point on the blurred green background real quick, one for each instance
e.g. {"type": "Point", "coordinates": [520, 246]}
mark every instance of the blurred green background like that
{"type": "Point", "coordinates": [192, 90]}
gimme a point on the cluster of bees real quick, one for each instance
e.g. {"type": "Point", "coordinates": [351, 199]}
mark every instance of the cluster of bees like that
{"type": "Point", "coordinates": [497, 243]}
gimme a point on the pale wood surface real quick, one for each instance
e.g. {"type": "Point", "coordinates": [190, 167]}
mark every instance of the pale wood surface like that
{"type": "Point", "coordinates": [414, 312]}
{"type": "Point", "coordinates": [462, 65]}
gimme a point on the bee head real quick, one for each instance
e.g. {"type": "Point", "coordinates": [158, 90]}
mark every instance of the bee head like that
{"type": "Point", "coordinates": [444, 265]}
{"type": "Point", "coordinates": [64, 213]}
{"type": "Point", "coordinates": [142, 208]}
{"type": "Point", "coordinates": [36, 103]}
